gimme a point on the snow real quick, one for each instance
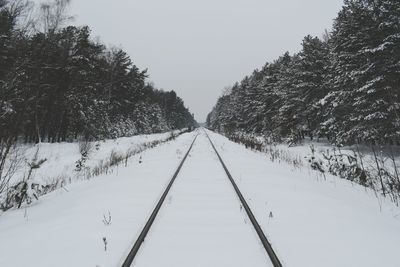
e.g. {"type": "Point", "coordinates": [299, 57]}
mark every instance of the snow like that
{"type": "Point", "coordinates": [316, 222]}
{"type": "Point", "coordinates": [321, 146]}
{"type": "Point", "coordinates": [369, 84]}
{"type": "Point", "coordinates": [62, 157]}
{"type": "Point", "coordinates": [202, 223]}
{"type": "Point", "coordinates": [310, 222]}
{"type": "Point", "coordinates": [379, 48]}
{"type": "Point", "coordinates": [67, 229]}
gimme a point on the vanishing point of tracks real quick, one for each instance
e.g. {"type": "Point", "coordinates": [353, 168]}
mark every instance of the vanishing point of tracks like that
{"type": "Point", "coordinates": [268, 248]}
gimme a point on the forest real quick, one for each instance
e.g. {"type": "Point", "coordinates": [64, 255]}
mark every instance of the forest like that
{"type": "Point", "coordinates": [57, 83]}
{"type": "Point", "coordinates": [344, 86]}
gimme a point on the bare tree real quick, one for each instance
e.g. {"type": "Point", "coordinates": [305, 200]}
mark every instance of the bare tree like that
{"type": "Point", "coordinates": [326, 36]}
{"type": "Point", "coordinates": [11, 160]}
{"type": "Point", "coordinates": [52, 15]}
{"type": "Point", "coordinates": [21, 11]}
{"type": "Point", "coordinates": [227, 90]}
{"type": "Point", "coordinates": [10, 156]}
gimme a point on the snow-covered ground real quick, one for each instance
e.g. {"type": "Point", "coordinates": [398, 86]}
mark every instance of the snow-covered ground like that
{"type": "Point", "coordinates": [314, 222]}
{"type": "Point", "coordinates": [321, 147]}
{"type": "Point", "coordinates": [202, 222]}
{"type": "Point", "coordinates": [67, 228]}
{"type": "Point", "coordinates": [376, 167]}
{"type": "Point", "coordinates": [61, 158]}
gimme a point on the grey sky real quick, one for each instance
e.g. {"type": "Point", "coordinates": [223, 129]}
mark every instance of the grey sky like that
{"type": "Point", "coordinates": [198, 47]}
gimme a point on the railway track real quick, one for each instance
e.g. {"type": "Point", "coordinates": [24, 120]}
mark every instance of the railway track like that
{"type": "Point", "coordinates": [133, 252]}
{"type": "Point", "coordinates": [267, 245]}
{"type": "Point", "coordinates": [136, 247]}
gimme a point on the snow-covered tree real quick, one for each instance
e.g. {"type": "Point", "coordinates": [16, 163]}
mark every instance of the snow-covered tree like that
{"type": "Point", "coordinates": [344, 87]}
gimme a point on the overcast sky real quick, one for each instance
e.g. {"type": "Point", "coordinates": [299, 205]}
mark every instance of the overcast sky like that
{"type": "Point", "coordinates": [198, 47]}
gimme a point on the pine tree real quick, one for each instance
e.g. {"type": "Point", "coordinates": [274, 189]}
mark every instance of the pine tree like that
{"type": "Point", "coordinates": [364, 98]}
{"type": "Point", "coordinates": [345, 88]}
{"type": "Point", "coordinates": [309, 82]}
{"type": "Point", "coordinates": [57, 84]}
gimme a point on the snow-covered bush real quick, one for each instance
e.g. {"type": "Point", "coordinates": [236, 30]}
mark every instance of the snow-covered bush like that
{"type": "Point", "coordinates": [10, 161]}
{"type": "Point", "coordinates": [316, 164]}
{"type": "Point", "coordinates": [346, 166]}
{"type": "Point", "coordinates": [85, 147]}
{"type": "Point", "coordinates": [26, 190]}
{"type": "Point", "coordinates": [375, 168]}
{"type": "Point", "coordinates": [115, 158]}
{"type": "Point", "coordinates": [260, 144]}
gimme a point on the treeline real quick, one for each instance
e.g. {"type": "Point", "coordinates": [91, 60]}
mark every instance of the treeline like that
{"type": "Point", "coordinates": [345, 87]}
{"type": "Point", "coordinates": [58, 84]}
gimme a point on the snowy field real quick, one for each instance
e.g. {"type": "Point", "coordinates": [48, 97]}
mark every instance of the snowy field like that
{"type": "Point", "coordinates": [315, 222]}
{"type": "Point", "coordinates": [309, 221]}
{"type": "Point", "coordinates": [321, 147]}
{"type": "Point", "coordinates": [61, 158]}
{"type": "Point", "coordinates": [67, 228]}
{"type": "Point", "coordinates": [375, 167]}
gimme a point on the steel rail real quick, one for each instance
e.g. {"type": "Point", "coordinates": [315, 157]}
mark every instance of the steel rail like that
{"type": "Point", "coordinates": [267, 245]}
{"type": "Point", "coordinates": [132, 254]}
